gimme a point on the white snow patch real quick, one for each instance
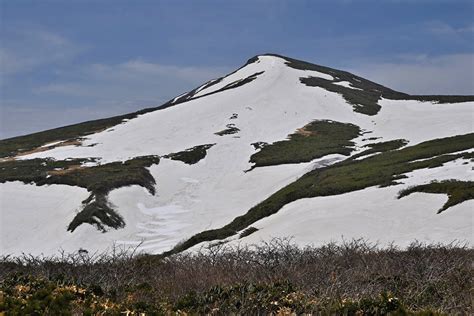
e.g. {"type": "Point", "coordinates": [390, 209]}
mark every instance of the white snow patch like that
{"type": "Point", "coordinates": [376, 214]}
{"type": "Point", "coordinates": [314, 73]}
{"type": "Point", "coordinates": [373, 214]}
{"type": "Point", "coordinates": [34, 219]}
{"type": "Point", "coordinates": [52, 143]}
{"type": "Point", "coordinates": [347, 84]}
{"type": "Point", "coordinates": [179, 96]}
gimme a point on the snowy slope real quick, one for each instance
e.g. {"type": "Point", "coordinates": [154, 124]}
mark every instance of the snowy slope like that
{"type": "Point", "coordinates": [376, 215]}
{"type": "Point", "coordinates": [211, 193]}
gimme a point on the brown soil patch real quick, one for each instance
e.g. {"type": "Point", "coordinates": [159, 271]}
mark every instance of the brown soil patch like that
{"type": "Point", "coordinates": [64, 171]}
{"type": "Point", "coordinates": [302, 131]}
{"type": "Point", "coordinates": [73, 142]}
{"type": "Point", "coordinates": [7, 159]}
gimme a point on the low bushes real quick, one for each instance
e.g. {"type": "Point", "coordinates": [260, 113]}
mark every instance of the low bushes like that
{"type": "Point", "coordinates": [355, 278]}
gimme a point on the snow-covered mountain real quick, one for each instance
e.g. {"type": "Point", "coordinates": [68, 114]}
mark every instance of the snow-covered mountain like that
{"type": "Point", "coordinates": [278, 148]}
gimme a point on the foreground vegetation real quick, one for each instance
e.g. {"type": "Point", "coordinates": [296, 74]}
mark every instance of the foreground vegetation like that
{"type": "Point", "coordinates": [274, 278]}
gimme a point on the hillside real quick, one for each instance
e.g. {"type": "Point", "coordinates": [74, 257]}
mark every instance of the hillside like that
{"type": "Point", "coordinates": [278, 148]}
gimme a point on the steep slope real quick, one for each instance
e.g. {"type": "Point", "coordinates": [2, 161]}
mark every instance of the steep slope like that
{"type": "Point", "coordinates": [289, 147]}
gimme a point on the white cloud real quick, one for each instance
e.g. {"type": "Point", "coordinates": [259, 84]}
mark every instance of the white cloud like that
{"type": "Point", "coordinates": [444, 29]}
{"type": "Point", "coordinates": [422, 74]}
{"type": "Point", "coordinates": [23, 117]}
{"type": "Point", "coordinates": [139, 68]}
{"type": "Point", "coordinates": [72, 89]}
{"type": "Point", "coordinates": [131, 80]}
{"type": "Point", "coordinates": [70, 92]}
{"type": "Point", "coordinates": [23, 50]}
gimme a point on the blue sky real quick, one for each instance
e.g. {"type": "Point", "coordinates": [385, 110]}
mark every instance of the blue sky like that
{"type": "Point", "coordinates": [68, 61]}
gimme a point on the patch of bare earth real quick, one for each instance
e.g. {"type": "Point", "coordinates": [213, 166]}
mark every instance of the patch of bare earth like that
{"type": "Point", "coordinates": [304, 132]}
{"type": "Point", "coordinates": [64, 171]}
{"type": "Point", "coordinates": [72, 142]}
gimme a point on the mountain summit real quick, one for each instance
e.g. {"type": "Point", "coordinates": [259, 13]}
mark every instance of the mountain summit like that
{"type": "Point", "coordinates": [278, 148]}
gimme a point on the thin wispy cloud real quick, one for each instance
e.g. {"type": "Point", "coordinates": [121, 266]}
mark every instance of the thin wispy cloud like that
{"type": "Point", "coordinates": [443, 28]}
{"type": "Point", "coordinates": [138, 68]}
{"type": "Point", "coordinates": [130, 80]}
{"type": "Point", "coordinates": [26, 49]}
{"type": "Point", "coordinates": [422, 74]}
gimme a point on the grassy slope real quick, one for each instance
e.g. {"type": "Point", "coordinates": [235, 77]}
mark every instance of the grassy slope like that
{"type": "Point", "coordinates": [99, 180]}
{"type": "Point", "coordinates": [381, 147]}
{"type": "Point", "coordinates": [347, 176]}
{"type": "Point", "coordinates": [315, 140]}
{"type": "Point", "coordinates": [457, 191]}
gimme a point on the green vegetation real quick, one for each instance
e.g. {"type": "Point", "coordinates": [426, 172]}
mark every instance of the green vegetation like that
{"type": "Point", "coordinates": [231, 129]}
{"type": "Point", "coordinates": [381, 147]}
{"type": "Point", "coordinates": [97, 211]}
{"type": "Point", "coordinates": [363, 101]}
{"type": "Point", "coordinates": [347, 176]}
{"type": "Point", "coordinates": [35, 170]}
{"type": "Point", "coordinates": [457, 191]}
{"type": "Point", "coordinates": [99, 180]}
{"type": "Point", "coordinates": [37, 296]}
{"type": "Point", "coordinates": [281, 299]}
{"type": "Point", "coordinates": [315, 140]}
{"type": "Point", "coordinates": [276, 278]}
{"type": "Point", "coordinates": [192, 155]}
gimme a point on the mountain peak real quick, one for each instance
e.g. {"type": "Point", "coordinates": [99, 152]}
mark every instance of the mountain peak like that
{"type": "Point", "coordinates": [273, 145]}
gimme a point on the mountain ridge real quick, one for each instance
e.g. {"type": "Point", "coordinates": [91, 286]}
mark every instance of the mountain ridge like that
{"type": "Point", "coordinates": [241, 150]}
{"type": "Point", "coordinates": [295, 63]}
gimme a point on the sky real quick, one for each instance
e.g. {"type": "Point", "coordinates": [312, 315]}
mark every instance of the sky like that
{"type": "Point", "coordinates": [63, 62]}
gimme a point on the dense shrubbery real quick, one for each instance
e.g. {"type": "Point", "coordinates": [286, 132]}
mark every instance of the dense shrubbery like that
{"type": "Point", "coordinates": [277, 277]}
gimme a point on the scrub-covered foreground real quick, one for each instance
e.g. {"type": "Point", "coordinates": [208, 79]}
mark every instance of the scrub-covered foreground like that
{"type": "Point", "coordinates": [275, 278]}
